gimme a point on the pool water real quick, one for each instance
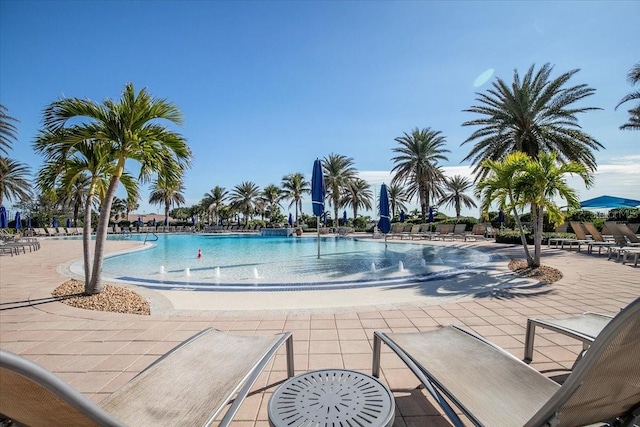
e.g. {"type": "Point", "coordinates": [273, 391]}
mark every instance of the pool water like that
{"type": "Point", "coordinates": [232, 262]}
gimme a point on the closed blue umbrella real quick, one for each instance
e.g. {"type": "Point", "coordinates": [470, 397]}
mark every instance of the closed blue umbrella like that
{"type": "Point", "coordinates": [290, 220]}
{"type": "Point", "coordinates": [28, 222]}
{"type": "Point", "coordinates": [430, 216]}
{"type": "Point", "coordinates": [166, 221]}
{"type": "Point", "coordinates": [193, 220]}
{"type": "Point", "coordinates": [344, 218]}
{"type": "Point", "coordinates": [54, 223]}
{"type": "Point", "coordinates": [18, 220]}
{"type": "Point", "coordinates": [68, 223]}
{"type": "Point", "coordinates": [4, 222]}
{"type": "Point", "coordinates": [139, 222]}
{"type": "Point", "coordinates": [384, 224]}
{"type": "Point", "coordinates": [317, 195]}
{"type": "Point", "coordinates": [154, 222]}
{"type": "Point", "coordinates": [500, 217]}
{"type": "Point", "coordinates": [401, 216]}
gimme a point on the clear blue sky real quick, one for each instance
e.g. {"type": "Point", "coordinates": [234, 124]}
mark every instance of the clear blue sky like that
{"type": "Point", "coordinates": [266, 87]}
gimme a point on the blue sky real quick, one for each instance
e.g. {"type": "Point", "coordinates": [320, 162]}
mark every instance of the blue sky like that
{"type": "Point", "coordinates": [266, 87]}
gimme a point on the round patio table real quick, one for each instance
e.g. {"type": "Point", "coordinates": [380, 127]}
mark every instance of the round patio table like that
{"type": "Point", "coordinates": [332, 397]}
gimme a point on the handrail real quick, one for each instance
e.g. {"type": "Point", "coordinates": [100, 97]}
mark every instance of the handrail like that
{"type": "Point", "coordinates": [146, 237]}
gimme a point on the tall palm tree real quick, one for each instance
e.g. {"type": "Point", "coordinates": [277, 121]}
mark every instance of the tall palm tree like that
{"type": "Point", "coordinates": [456, 187]}
{"type": "Point", "coordinates": [416, 165]}
{"type": "Point", "coordinates": [132, 128]}
{"type": "Point", "coordinates": [167, 192]}
{"type": "Point", "coordinates": [338, 171]}
{"type": "Point", "coordinates": [244, 198]}
{"type": "Point", "coordinates": [294, 187]}
{"type": "Point", "coordinates": [397, 198]}
{"type": "Point", "coordinates": [8, 131]}
{"type": "Point", "coordinates": [271, 196]}
{"type": "Point", "coordinates": [214, 201]}
{"type": "Point", "coordinates": [533, 115]}
{"type": "Point", "coordinates": [358, 195]}
{"type": "Point", "coordinates": [14, 180]}
{"type": "Point", "coordinates": [634, 113]}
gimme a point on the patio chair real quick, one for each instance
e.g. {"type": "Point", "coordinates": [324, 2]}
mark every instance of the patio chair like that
{"type": "Point", "coordinates": [190, 386]}
{"type": "Point", "coordinates": [584, 327]}
{"type": "Point", "coordinates": [598, 240]}
{"type": "Point", "coordinates": [491, 387]}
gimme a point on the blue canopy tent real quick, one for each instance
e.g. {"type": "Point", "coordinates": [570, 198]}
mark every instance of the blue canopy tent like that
{"type": "Point", "coordinates": [317, 195]}
{"type": "Point", "coordinates": [609, 202]}
{"type": "Point", "coordinates": [384, 224]}
{"type": "Point", "coordinates": [18, 220]}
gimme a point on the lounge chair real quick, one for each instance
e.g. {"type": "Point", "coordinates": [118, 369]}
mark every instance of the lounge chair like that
{"type": "Point", "coordinates": [598, 241]}
{"type": "Point", "coordinates": [584, 327]}
{"type": "Point", "coordinates": [189, 386]}
{"type": "Point", "coordinates": [491, 387]}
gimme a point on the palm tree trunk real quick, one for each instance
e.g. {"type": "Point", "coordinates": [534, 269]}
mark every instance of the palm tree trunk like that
{"type": "Point", "coordinates": [538, 224]}
{"type": "Point", "coordinates": [523, 238]}
{"type": "Point", "coordinates": [86, 242]}
{"type": "Point", "coordinates": [95, 286]}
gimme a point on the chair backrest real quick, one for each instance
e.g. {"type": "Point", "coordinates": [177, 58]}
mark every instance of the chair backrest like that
{"type": "Point", "coordinates": [595, 234]}
{"type": "Point", "coordinates": [561, 228]}
{"type": "Point", "coordinates": [618, 232]}
{"type": "Point", "coordinates": [578, 230]}
{"type": "Point", "coordinates": [459, 228]}
{"type": "Point", "coordinates": [31, 395]}
{"type": "Point", "coordinates": [479, 229]}
{"type": "Point", "coordinates": [605, 383]}
{"type": "Point", "coordinates": [628, 233]}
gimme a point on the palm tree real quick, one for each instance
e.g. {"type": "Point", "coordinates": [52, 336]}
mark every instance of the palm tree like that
{"type": "Point", "coordinates": [521, 181]}
{"type": "Point", "coordinates": [456, 186]}
{"type": "Point", "coordinates": [244, 198]}
{"type": "Point", "coordinates": [271, 196]}
{"type": "Point", "coordinates": [634, 113]}
{"type": "Point", "coordinates": [358, 195]}
{"type": "Point", "coordinates": [66, 165]}
{"type": "Point", "coordinates": [8, 131]}
{"type": "Point", "coordinates": [167, 192]}
{"type": "Point", "coordinates": [397, 198]}
{"type": "Point", "coordinates": [131, 127]}
{"type": "Point", "coordinates": [214, 201]}
{"type": "Point", "coordinates": [532, 115]}
{"type": "Point", "coordinates": [417, 165]}
{"type": "Point", "coordinates": [14, 181]}
{"type": "Point", "coordinates": [338, 173]}
{"type": "Point", "coordinates": [294, 186]}
{"type": "Point", "coordinates": [132, 204]}
{"type": "Point", "coordinates": [118, 208]}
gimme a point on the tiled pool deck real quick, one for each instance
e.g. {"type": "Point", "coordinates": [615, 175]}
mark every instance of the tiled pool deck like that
{"type": "Point", "coordinates": [97, 352]}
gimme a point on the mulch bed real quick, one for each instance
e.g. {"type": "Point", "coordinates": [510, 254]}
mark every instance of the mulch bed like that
{"type": "Point", "coordinates": [115, 299]}
{"type": "Point", "coordinates": [542, 273]}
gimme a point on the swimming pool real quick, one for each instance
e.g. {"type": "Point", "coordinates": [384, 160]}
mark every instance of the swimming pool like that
{"type": "Point", "coordinates": [232, 262]}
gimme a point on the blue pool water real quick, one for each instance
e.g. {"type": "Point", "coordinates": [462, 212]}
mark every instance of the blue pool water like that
{"type": "Point", "coordinates": [231, 262]}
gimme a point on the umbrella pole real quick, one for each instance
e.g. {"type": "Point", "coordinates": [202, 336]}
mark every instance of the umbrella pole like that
{"type": "Point", "coordinates": [318, 239]}
{"type": "Point", "coordinates": [385, 240]}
